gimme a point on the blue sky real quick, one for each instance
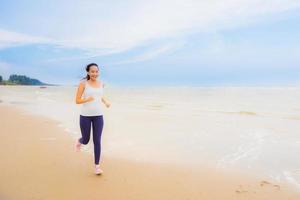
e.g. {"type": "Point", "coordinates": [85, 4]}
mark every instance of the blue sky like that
{"type": "Point", "coordinates": [228, 42]}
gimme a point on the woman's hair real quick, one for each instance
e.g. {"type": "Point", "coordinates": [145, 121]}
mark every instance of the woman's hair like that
{"type": "Point", "coordinates": [87, 69]}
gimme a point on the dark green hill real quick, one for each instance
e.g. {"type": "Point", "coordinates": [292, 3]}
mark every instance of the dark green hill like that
{"type": "Point", "coordinates": [15, 79]}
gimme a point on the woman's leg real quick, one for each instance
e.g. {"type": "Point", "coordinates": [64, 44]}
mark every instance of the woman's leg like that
{"type": "Point", "coordinates": [98, 123]}
{"type": "Point", "coordinates": [85, 127]}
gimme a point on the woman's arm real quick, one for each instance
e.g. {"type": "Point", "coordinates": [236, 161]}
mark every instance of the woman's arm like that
{"type": "Point", "coordinates": [80, 90]}
{"type": "Point", "coordinates": [104, 100]}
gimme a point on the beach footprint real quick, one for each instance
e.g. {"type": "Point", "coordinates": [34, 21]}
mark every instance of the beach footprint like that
{"type": "Point", "coordinates": [266, 183]}
{"type": "Point", "coordinates": [241, 190]}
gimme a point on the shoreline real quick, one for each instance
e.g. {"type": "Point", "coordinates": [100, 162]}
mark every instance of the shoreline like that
{"type": "Point", "coordinates": [38, 161]}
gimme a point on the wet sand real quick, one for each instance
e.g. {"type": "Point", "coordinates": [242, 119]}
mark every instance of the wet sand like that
{"type": "Point", "coordinates": [39, 161]}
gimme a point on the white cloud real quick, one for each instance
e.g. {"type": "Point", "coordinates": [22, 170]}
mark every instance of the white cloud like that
{"type": "Point", "coordinates": [145, 21]}
{"type": "Point", "coordinates": [153, 52]}
{"type": "Point", "coordinates": [104, 28]}
{"type": "Point", "coordinates": [11, 39]}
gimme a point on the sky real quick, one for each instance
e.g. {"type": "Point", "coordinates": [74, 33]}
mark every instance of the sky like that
{"type": "Point", "coordinates": [166, 42]}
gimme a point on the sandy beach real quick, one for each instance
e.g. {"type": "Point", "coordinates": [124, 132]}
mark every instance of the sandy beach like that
{"type": "Point", "coordinates": [38, 161]}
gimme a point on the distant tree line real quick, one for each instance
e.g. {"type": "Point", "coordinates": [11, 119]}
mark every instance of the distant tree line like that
{"type": "Point", "coordinates": [15, 79]}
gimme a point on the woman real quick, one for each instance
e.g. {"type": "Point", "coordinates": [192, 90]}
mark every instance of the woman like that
{"type": "Point", "coordinates": [90, 95]}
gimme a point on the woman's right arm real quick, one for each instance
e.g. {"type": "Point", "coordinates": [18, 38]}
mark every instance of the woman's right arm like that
{"type": "Point", "coordinates": [80, 89]}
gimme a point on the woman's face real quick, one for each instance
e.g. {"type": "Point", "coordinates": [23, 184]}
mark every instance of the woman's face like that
{"type": "Point", "coordinates": [93, 72]}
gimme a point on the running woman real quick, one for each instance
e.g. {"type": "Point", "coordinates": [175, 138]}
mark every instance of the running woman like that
{"type": "Point", "coordinates": [90, 95]}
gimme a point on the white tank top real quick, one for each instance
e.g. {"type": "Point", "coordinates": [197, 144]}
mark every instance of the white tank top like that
{"type": "Point", "coordinates": [92, 108]}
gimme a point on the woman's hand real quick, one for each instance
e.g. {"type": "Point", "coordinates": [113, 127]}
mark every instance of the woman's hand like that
{"type": "Point", "coordinates": [107, 104]}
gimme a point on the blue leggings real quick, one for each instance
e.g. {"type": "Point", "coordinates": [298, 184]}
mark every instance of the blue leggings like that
{"type": "Point", "coordinates": [85, 126]}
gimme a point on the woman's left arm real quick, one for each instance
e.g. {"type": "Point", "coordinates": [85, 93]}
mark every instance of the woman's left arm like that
{"type": "Point", "coordinates": [104, 100]}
